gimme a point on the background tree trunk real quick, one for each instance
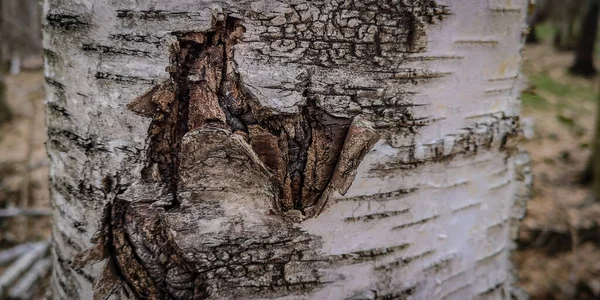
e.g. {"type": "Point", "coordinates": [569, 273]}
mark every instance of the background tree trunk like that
{"type": "Point", "coordinates": [538, 15]}
{"type": "Point", "coordinates": [564, 14]}
{"type": "Point", "coordinates": [299, 150]}
{"type": "Point", "coordinates": [20, 25]}
{"type": "Point", "coordinates": [5, 113]}
{"type": "Point", "coordinates": [584, 57]}
{"type": "Point", "coordinates": [592, 166]}
{"type": "Point", "coordinates": [20, 36]}
{"type": "Point", "coordinates": [584, 65]}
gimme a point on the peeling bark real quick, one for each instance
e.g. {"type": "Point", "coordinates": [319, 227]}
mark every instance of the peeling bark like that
{"type": "Point", "coordinates": [301, 149]}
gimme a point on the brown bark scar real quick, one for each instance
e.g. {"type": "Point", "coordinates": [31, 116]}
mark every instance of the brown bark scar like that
{"type": "Point", "coordinates": [204, 79]}
{"type": "Point", "coordinates": [107, 283]}
{"type": "Point", "coordinates": [305, 152]}
{"type": "Point", "coordinates": [158, 98]}
{"type": "Point", "coordinates": [274, 155]}
{"type": "Point", "coordinates": [359, 141]}
{"type": "Point", "coordinates": [324, 153]}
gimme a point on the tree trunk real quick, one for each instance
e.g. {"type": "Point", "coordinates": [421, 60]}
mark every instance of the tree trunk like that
{"type": "Point", "coordinates": [537, 13]}
{"type": "Point", "coordinates": [20, 29]}
{"type": "Point", "coordinates": [593, 165]}
{"type": "Point", "coordinates": [584, 57]}
{"type": "Point", "coordinates": [564, 14]}
{"type": "Point", "coordinates": [5, 112]}
{"type": "Point", "coordinates": [20, 36]}
{"type": "Point", "coordinates": [284, 149]}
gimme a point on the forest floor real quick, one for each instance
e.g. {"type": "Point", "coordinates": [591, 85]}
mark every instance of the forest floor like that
{"type": "Point", "coordinates": [559, 241]}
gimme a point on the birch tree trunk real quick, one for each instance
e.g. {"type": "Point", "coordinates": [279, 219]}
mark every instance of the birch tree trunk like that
{"type": "Point", "coordinates": [329, 149]}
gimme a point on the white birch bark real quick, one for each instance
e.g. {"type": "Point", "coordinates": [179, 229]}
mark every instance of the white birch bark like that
{"type": "Point", "coordinates": [432, 208]}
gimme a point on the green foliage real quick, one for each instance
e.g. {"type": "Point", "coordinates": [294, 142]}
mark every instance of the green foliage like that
{"type": "Point", "coordinates": [545, 31]}
{"type": "Point", "coordinates": [530, 98]}
{"type": "Point", "coordinates": [543, 82]}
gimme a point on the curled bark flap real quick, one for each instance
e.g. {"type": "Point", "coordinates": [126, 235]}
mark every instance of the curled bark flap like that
{"type": "Point", "coordinates": [360, 139]}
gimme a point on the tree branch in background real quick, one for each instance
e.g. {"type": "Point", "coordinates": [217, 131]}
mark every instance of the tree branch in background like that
{"type": "Point", "coordinates": [13, 272]}
{"type": "Point", "coordinates": [11, 254]}
{"type": "Point", "coordinates": [25, 212]}
{"type": "Point", "coordinates": [25, 287]}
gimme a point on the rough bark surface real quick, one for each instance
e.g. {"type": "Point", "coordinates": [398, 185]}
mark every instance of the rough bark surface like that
{"type": "Point", "coordinates": [284, 149]}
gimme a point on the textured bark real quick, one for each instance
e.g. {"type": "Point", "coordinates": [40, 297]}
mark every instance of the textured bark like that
{"type": "Point", "coordinates": [294, 149]}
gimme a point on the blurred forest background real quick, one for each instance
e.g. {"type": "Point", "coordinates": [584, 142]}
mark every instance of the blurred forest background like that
{"type": "Point", "coordinates": [24, 197]}
{"type": "Point", "coordinates": [559, 241]}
